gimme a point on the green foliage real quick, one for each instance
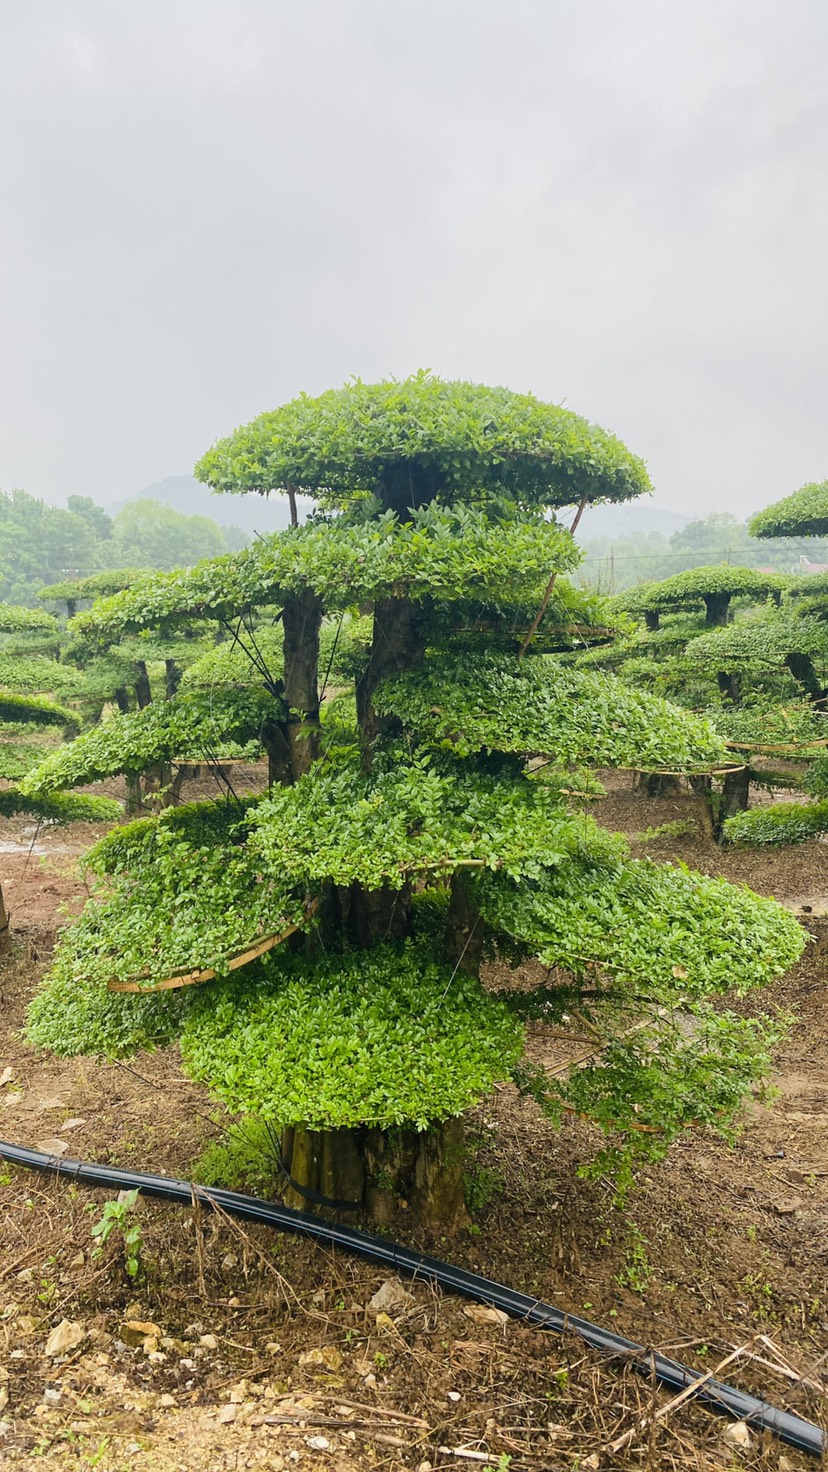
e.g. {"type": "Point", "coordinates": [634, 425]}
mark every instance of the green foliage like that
{"type": "Point", "coordinates": [60, 807]}
{"type": "Point", "coordinates": [688, 1068]}
{"type": "Point", "coordinates": [14, 620]}
{"type": "Point", "coordinates": [763, 720]}
{"type": "Point", "coordinates": [383, 827]}
{"type": "Point", "coordinates": [653, 930]}
{"type": "Point", "coordinates": [151, 534]}
{"type": "Point", "coordinates": [804, 514]}
{"type": "Point", "coordinates": [38, 542]}
{"type": "Point", "coordinates": [182, 891]}
{"type": "Point", "coordinates": [190, 725]}
{"type": "Point", "coordinates": [247, 1157]}
{"type": "Point", "coordinates": [440, 555]}
{"type": "Point", "coordinates": [96, 585]}
{"type": "Point", "coordinates": [816, 778]}
{"type": "Point", "coordinates": [117, 1217]}
{"type": "Point", "coordinates": [387, 1036]}
{"type": "Point", "coordinates": [788, 822]}
{"type": "Point", "coordinates": [33, 711]}
{"type": "Point", "coordinates": [237, 662]}
{"type": "Point", "coordinates": [761, 641]}
{"type": "Point", "coordinates": [36, 675]}
{"type": "Point", "coordinates": [697, 583]}
{"type": "Point", "coordinates": [539, 706]}
{"type": "Point", "coordinates": [459, 440]}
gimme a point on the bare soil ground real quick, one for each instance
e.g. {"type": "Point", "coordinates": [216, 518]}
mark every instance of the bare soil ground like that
{"type": "Point", "coordinates": [263, 1353]}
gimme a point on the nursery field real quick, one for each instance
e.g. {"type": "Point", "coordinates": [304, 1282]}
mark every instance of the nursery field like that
{"type": "Point", "coordinates": [231, 1348]}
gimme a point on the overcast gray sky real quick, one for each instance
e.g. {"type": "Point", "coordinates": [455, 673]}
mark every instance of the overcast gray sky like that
{"type": "Point", "coordinates": [207, 206]}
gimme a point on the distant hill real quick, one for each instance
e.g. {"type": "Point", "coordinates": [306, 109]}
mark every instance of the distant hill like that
{"type": "Point", "coordinates": [627, 520]}
{"type": "Point", "coordinates": [252, 513]}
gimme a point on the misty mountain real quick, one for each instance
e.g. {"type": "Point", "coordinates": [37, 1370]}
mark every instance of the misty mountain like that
{"type": "Point", "coordinates": [635, 518]}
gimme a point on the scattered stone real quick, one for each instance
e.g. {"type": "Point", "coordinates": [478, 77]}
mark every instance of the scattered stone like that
{"type": "Point", "coordinates": [239, 1392]}
{"type": "Point", "coordinates": [26, 1324]}
{"type": "Point", "coordinates": [785, 1464]}
{"type": "Point", "coordinates": [425, 1467]}
{"type": "Point", "coordinates": [167, 1401]}
{"type": "Point", "coordinates": [72, 1124]}
{"type": "Point", "coordinates": [229, 1262]}
{"type": "Point", "coordinates": [227, 1414]}
{"type": "Point", "coordinates": [453, 1395]}
{"type": "Point", "coordinates": [273, 1347]}
{"type": "Point", "coordinates": [787, 1207]}
{"type": "Point", "coordinates": [78, 1261]}
{"type": "Point", "coordinates": [208, 1341]}
{"type": "Point", "coordinates": [53, 1146]}
{"type": "Point", "coordinates": [737, 1435]}
{"type": "Point", "coordinates": [4, 1397]}
{"type": "Point", "coordinates": [390, 1296]}
{"type": "Point", "coordinates": [384, 1321]}
{"type": "Point", "coordinates": [479, 1314]}
{"type": "Point", "coordinates": [6, 1077]}
{"type": "Point", "coordinates": [11, 1099]}
{"type": "Point", "coordinates": [234, 1302]}
{"type": "Point", "coordinates": [52, 1396]}
{"type": "Point", "coordinates": [136, 1332]}
{"type": "Point", "coordinates": [55, 1103]}
{"type": "Point", "coordinates": [318, 1443]}
{"type": "Point", "coordinates": [66, 1335]}
{"type": "Point", "coordinates": [370, 1381]}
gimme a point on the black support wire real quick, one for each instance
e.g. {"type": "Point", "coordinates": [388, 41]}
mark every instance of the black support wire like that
{"type": "Point", "coordinates": [725, 1399]}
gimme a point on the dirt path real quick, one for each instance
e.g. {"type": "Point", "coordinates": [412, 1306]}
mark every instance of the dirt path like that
{"type": "Point", "coordinates": [267, 1352]}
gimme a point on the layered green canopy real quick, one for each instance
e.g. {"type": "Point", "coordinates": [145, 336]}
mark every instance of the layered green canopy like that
{"type": "Point", "coordinates": [408, 441]}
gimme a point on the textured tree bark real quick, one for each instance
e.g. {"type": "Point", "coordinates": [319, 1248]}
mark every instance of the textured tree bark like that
{"type": "Point", "coordinates": [651, 620]}
{"type": "Point", "coordinates": [735, 794]}
{"type": "Point", "coordinates": [397, 645]}
{"type": "Point", "coordinates": [730, 685]}
{"type": "Point", "coordinates": [121, 698]}
{"type": "Point", "coordinates": [384, 1173]}
{"type": "Point", "coordinates": [301, 620]}
{"type": "Point", "coordinates": [143, 693]}
{"type": "Point", "coordinates": [134, 805]}
{"type": "Point", "coordinates": [275, 743]}
{"type": "Point", "coordinates": [802, 668]}
{"type": "Point", "coordinates": [5, 938]}
{"type": "Point", "coordinates": [464, 930]}
{"type": "Point", "coordinates": [716, 608]}
{"type": "Point", "coordinates": [172, 678]}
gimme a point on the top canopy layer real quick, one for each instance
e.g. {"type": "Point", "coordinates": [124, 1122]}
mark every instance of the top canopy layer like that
{"type": "Point", "coordinates": [804, 514]}
{"type": "Point", "coordinates": [410, 441]}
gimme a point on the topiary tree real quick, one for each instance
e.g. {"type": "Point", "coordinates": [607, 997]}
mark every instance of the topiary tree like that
{"type": "Point", "coordinates": [714, 586]}
{"type": "Point", "coordinates": [324, 969]}
{"type": "Point", "coordinates": [804, 514]}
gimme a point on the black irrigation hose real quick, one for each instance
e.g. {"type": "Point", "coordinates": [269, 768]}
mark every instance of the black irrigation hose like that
{"type": "Point", "coordinates": [803, 1435]}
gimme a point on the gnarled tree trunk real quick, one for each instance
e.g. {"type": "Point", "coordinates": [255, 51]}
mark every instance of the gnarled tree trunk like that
{"type": "Point", "coordinates": [716, 606]}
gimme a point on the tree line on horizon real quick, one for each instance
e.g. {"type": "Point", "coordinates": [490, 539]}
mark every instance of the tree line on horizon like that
{"type": "Point", "coordinates": [614, 564]}
{"type": "Point", "coordinates": [42, 544]}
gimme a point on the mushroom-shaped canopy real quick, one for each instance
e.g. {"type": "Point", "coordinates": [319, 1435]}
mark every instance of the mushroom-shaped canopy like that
{"type": "Point", "coordinates": [700, 585]}
{"type": "Point", "coordinates": [96, 585]}
{"type": "Point", "coordinates": [804, 514]}
{"type": "Point", "coordinates": [14, 620]}
{"type": "Point", "coordinates": [764, 641]}
{"type": "Point", "coordinates": [410, 441]}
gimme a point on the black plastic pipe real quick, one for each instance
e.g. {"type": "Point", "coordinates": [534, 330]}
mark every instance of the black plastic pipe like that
{"type": "Point", "coordinates": [803, 1435]}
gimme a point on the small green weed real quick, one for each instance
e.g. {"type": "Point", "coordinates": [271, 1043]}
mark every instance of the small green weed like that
{"type": "Point", "coordinates": [637, 1269]}
{"type": "Point", "coordinates": [116, 1217]}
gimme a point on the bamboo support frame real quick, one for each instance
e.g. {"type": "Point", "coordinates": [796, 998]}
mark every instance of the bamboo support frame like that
{"type": "Point", "coordinates": [207, 973]}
